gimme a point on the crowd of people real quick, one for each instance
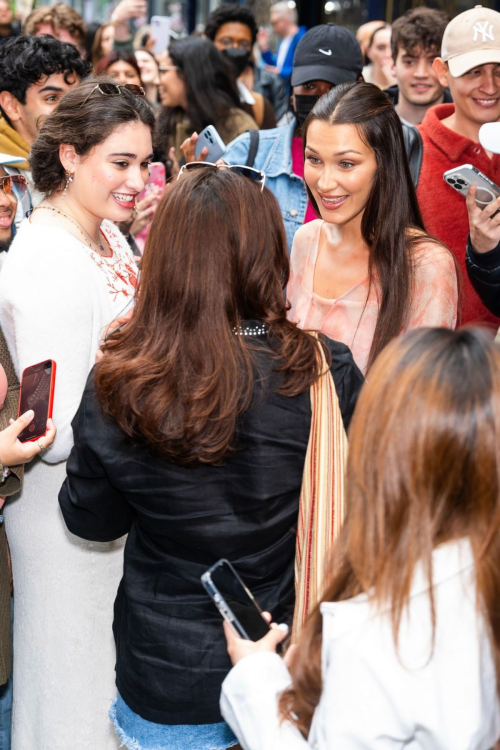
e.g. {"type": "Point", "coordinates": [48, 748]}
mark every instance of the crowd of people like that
{"type": "Point", "coordinates": [284, 357]}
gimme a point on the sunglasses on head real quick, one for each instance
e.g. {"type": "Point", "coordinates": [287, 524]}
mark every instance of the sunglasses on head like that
{"type": "Point", "coordinates": [115, 89]}
{"type": "Point", "coordinates": [252, 174]}
{"type": "Point", "coordinates": [14, 186]}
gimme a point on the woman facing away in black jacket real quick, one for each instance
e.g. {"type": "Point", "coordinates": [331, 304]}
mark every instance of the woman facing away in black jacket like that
{"type": "Point", "coordinates": [192, 436]}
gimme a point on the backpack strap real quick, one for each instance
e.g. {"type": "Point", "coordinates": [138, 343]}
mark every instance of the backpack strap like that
{"type": "Point", "coordinates": [254, 145]}
{"type": "Point", "coordinates": [414, 150]}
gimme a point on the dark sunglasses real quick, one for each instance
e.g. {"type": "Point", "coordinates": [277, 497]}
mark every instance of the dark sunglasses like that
{"type": "Point", "coordinates": [252, 174]}
{"type": "Point", "coordinates": [115, 89]}
{"type": "Point", "coordinates": [14, 186]}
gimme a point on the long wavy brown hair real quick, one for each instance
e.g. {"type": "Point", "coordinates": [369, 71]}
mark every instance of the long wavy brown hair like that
{"type": "Point", "coordinates": [392, 225]}
{"type": "Point", "coordinates": [177, 377]}
{"type": "Point", "coordinates": [423, 469]}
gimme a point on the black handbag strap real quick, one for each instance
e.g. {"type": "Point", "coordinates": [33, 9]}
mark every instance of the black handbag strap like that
{"type": "Point", "coordinates": [254, 145]}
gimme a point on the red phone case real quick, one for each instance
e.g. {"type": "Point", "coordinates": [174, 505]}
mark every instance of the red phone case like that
{"type": "Point", "coordinates": [51, 395]}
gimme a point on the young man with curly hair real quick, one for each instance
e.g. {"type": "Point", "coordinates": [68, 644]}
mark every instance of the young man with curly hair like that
{"type": "Point", "coordinates": [233, 30]}
{"type": "Point", "coordinates": [416, 42]}
{"type": "Point", "coordinates": [61, 21]}
{"type": "Point", "coordinates": [35, 73]}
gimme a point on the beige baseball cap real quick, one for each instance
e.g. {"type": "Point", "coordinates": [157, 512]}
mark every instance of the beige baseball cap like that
{"type": "Point", "coordinates": [471, 39]}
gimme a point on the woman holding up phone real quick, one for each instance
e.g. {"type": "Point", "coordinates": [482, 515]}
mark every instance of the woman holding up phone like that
{"type": "Point", "coordinates": [404, 650]}
{"type": "Point", "coordinates": [192, 437]}
{"type": "Point", "coordinates": [365, 270]}
{"type": "Point", "coordinates": [68, 274]}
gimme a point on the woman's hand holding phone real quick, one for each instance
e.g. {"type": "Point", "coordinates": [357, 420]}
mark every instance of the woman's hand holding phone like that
{"type": "Point", "coordinates": [238, 648]}
{"type": "Point", "coordinates": [484, 223]}
{"type": "Point", "coordinates": [145, 210]}
{"type": "Point", "coordinates": [12, 451]}
{"type": "Point", "coordinates": [188, 147]}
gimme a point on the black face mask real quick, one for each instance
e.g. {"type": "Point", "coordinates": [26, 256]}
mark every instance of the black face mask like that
{"type": "Point", "coordinates": [303, 106]}
{"type": "Point", "coordinates": [239, 58]}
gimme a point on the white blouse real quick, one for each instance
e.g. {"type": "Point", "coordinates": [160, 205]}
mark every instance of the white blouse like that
{"type": "Point", "coordinates": [373, 697]}
{"type": "Point", "coordinates": [56, 298]}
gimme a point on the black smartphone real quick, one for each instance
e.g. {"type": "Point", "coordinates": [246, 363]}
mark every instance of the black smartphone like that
{"type": "Point", "coordinates": [234, 601]}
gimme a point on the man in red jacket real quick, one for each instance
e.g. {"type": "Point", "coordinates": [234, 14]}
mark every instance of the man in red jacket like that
{"type": "Point", "coordinates": [470, 66]}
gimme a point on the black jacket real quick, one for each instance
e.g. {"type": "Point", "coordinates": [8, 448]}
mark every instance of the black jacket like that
{"type": "Point", "coordinates": [171, 652]}
{"type": "Point", "coordinates": [273, 88]}
{"type": "Point", "coordinates": [484, 273]}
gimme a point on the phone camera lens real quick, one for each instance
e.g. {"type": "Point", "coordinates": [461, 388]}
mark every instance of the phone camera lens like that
{"type": "Point", "coordinates": [451, 180]}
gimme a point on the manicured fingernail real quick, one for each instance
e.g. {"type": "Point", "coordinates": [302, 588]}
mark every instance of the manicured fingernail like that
{"type": "Point", "coordinates": [283, 626]}
{"type": "Point", "coordinates": [29, 414]}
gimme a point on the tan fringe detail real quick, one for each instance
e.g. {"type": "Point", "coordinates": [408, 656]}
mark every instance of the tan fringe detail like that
{"type": "Point", "coordinates": [321, 507]}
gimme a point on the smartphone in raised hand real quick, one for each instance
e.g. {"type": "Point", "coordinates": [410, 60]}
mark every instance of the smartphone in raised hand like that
{"type": "Point", "coordinates": [234, 601]}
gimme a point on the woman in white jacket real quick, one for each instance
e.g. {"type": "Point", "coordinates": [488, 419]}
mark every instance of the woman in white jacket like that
{"type": "Point", "coordinates": [404, 650]}
{"type": "Point", "coordinates": [68, 274]}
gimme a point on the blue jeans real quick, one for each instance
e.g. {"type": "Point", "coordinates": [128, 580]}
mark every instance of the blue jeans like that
{"type": "Point", "coordinates": [6, 703]}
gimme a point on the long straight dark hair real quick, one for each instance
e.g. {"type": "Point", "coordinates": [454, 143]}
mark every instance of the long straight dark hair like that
{"type": "Point", "coordinates": [211, 89]}
{"type": "Point", "coordinates": [176, 377]}
{"type": "Point", "coordinates": [392, 211]}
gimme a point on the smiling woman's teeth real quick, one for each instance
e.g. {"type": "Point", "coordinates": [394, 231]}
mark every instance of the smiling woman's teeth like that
{"type": "Point", "coordinates": [334, 200]}
{"type": "Point", "coordinates": [123, 198]}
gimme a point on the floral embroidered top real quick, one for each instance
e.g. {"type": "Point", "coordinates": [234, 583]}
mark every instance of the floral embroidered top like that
{"type": "Point", "coordinates": [352, 317]}
{"type": "Point", "coordinates": [56, 298]}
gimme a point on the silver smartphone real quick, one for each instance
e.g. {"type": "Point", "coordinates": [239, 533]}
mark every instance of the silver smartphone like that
{"type": "Point", "coordinates": [210, 139]}
{"type": "Point", "coordinates": [234, 601]}
{"type": "Point", "coordinates": [461, 178]}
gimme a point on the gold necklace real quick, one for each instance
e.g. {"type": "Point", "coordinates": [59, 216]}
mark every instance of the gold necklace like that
{"type": "Point", "coordinates": [81, 229]}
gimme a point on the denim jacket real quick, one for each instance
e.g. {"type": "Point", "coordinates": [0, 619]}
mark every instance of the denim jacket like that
{"type": "Point", "coordinates": [274, 158]}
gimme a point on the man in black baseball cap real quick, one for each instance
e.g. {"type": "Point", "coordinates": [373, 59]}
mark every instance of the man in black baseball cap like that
{"type": "Point", "coordinates": [326, 56]}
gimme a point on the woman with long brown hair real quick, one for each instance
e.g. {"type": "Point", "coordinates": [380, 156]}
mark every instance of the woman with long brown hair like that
{"type": "Point", "coordinates": [404, 650]}
{"type": "Point", "coordinates": [192, 436]}
{"type": "Point", "coordinates": [366, 270]}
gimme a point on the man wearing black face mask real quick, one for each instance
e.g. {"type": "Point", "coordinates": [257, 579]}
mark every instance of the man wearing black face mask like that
{"type": "Point", "coordinates": [233, 30]}
{"type": "Point", "coordinates": [326, 56]}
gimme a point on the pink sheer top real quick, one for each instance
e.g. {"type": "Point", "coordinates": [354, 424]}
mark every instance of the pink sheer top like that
{"type": "Point", "coordinates": [352, 317]}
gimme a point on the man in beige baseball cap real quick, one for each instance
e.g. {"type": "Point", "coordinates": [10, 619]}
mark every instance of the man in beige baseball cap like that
{"type": "Point", "coordinates": [469, 65]}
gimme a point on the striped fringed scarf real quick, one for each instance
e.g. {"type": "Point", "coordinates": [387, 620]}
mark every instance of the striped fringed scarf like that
{"type": "Point", "coordinates": [321, 508]}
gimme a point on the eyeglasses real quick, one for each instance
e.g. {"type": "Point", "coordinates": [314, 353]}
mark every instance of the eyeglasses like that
{"type": "Point", "coordinates": [115, 89]}
{"type": "Point", "coordinates": [252, 174]}
{"type": "Point", "coordinates": [14, 186]}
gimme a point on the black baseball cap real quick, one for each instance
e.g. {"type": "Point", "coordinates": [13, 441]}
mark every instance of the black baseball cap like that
{"type": "Point", "coordinates": [327, 53]}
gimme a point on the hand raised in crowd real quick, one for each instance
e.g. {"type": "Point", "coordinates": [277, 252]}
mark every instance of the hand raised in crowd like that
{"type": "Point", "coordinates": [12, 451]}
{"type": "Point", "coordinates": [238, 648]}
{"type": "Point", "coordinates": [188, 147]}
{"type": "Point", "coordinates": [145, 209]}
{"type": "Point", "coordinates": [128, 9]}
{"type": "Point", "coordinates": [484, 223]}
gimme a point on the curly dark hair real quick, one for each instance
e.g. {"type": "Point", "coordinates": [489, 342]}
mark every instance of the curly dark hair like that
{"type": "Point", "coordinates": [230, 13]}
{"type": "Point", "coordinates": [84, 125]}
{"type": "Point", "coordinates": [25, 60]}
{"type": "Point", "coordinates": [418, 29]}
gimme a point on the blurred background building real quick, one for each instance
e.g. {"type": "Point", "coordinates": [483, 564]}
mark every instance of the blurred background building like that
{"type": "Point", "coordinates": [189, 15]}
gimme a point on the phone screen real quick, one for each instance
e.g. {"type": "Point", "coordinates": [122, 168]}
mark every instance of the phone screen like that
{"type": "Point", "coordinates": [241, 603]}
{"type": "Point", "coordinates": [35, 394]}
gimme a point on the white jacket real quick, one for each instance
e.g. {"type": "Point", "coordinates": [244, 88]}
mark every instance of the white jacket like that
{"type": "Point", "coordinates": [440, 699]}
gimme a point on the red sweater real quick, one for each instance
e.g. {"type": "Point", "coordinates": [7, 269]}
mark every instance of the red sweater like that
{"type": "Point", "coordinates": [443, 209]}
